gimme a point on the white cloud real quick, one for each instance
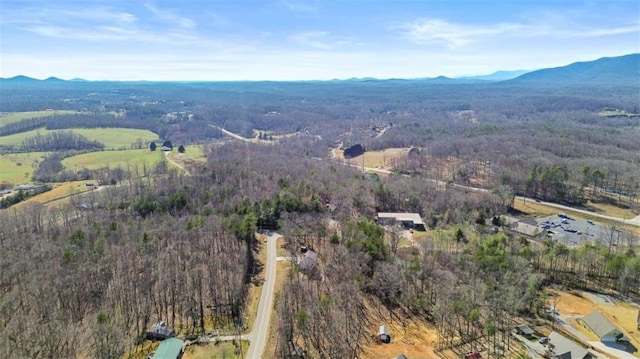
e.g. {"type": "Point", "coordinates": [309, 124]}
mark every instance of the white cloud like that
{"type": "Point", "coordinates": [318, 40]}
{"type": "Point", "coordinates": [437, 31]}
{"type": "Point", "coordinates": [454, 35]}
{"type": "Point", "coordinates": [171, 17]}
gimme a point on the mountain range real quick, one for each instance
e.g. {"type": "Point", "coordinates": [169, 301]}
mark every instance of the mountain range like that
{"type": "Point", "coordinates": [606, 70]}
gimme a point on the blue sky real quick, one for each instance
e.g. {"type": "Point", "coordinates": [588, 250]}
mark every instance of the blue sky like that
{"type": "Point", "coordinates": [306, 39]}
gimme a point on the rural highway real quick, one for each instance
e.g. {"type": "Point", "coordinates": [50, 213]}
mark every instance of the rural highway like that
{"type": "Point", "coordinates": [258, 335]}
{"type": "Point", "coordinates": [231, 134]}
{"type": "Point", "coordinates": [631, 221]}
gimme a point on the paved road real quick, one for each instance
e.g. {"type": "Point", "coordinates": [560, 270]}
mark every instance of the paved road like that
{"type": "Point", "coordinates": [631, 221]}
{"type": "Point", "coordinates": [231, 134]}
{"type": "Point", "coordinates": [258, 335]}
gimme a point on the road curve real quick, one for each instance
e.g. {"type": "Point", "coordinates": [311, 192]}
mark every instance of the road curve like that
{"type": "Point", "coordinates": [258, 335]}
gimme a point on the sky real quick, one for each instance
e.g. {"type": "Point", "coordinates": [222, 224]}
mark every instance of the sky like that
{"type": "Point", "coordinates": [229, 40]}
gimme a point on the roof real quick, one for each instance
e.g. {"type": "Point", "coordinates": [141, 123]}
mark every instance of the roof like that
{"type": "Point", "coordinates": [566, 348]}
{"type": "Point", "coordinates": [401, 356]}
{"type": "Point", "coordinates": [524, 329]}
{"type": "Point", "coordinates": [169, 349]}
{"type": "Point", "coordinates": [599, 324]}
{"type": "Point", "coordinates": [414, 217]}
{"type": "Point", "coordinates": [471, 355]}
{"type": "Point", "coordinates": [382, 330]}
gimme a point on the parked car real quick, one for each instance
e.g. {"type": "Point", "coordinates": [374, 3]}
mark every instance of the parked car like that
{"type": "Point", "coordinates": [543, 340]}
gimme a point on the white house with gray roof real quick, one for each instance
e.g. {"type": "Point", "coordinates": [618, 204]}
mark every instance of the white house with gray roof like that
{"type": "Point", "coordinates": [603, 328]}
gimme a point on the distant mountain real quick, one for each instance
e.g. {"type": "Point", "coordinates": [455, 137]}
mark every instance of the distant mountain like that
{"type": "Point", "coordinates": [496, 76]}
{"type": "Point", "coordinates": [20, 79]}
{"type": "Point", "coordinates": [53, 79]}
{"type": "Point", "coordinates": [607, 70]}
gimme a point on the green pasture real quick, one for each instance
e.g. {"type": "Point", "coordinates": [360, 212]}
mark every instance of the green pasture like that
{"type": "Point", "coordinates": [17, 168]}
{"type": "Point", "coordinates": [191, 152]}
{"type": "Point", "coordinates": [112, 159]}
{"type": "Point", "coordinates": [113, 138]}
{"type": "Point", "coordinates": [10, 117]}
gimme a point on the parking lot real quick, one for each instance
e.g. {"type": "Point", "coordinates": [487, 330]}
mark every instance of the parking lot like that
{"type": "Point", "coordinates": [573, 232]}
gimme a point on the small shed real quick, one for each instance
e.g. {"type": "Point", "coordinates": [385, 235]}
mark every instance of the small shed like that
{"type": "Point", "coordinates": [160, 331]}
{"type": "Point", "coordinates": [525, 331]}
{"type": "Point", "coordinates": [169, 349]}
{"type": "Point", "coordinates": [383, 334]}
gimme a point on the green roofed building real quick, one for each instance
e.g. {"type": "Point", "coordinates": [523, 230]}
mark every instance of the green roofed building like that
{"type": "Point", "coordinates": [169, 349]}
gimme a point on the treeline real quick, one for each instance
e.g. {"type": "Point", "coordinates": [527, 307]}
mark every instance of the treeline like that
{"type": "Point", "coordinates": [22, 195]}
{"type": "Point", "coordinates": [58, 141]}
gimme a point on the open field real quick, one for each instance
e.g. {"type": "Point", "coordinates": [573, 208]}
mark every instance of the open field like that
{"type": "Point", "coordinates": [616, 112]}
{"type": "Point", "coordinates": [413, 338]}
{"type": "Point", "coordinates": [611, 210]}
{"type": "Point", "coordinates": [376, 159]}
{"type": "Point", "coordinates": [112, 159]}
{"type": "Point", "coordinates": [191, 153]}
{"type": "Point", "coordinates": [18, 167]}
{"type": "Point", "coordinates": [222, 350]}
{"type": "Point", "coordinates": [112, 138]}
{"type": "Point", "coordinates": [61, 192]}
{"type": "Point", "coordinates": [11, 117]}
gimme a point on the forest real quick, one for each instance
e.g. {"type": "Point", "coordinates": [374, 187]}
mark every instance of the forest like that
{"type": "Point", "coordinates": [162, 244]}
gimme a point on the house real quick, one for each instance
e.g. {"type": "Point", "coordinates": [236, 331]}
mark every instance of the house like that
{"type": "Point", "coordinates": [561, 347]}
{"type": "Point", "coordinates": [524, 330]}
{"type": "Point", "coordinates": [308, 264]}
{"type": "Point", "coordinates": [169, 349]}
{"type": "Point", "coordinates": [407, 220]}
{"type": "Point", "coordinates": [160, 331]}
{"type": "Point", "coordinates": [527, 226]}
{"type": "Point", "coordinates": [603, 328]}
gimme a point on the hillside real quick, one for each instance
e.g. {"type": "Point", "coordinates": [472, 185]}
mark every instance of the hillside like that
{"type": "Point", "coordinates": [607, 70]}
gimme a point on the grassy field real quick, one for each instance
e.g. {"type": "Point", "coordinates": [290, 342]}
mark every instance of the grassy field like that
{"type": "Point", "coordinates": [60, 194]}
{"type": "Point", "coordinates": [18, 167]}
{"type": "Point", "coordinates": [616, 112]}
{"type": "Point", "coordinates": [112, 138]}
{"type": "Point", "coordinates": [11, 117]}
{"type": "Point", "coordinates": [377, 159]}
{"type": "Point", "coordinates": [222, 350]}
{"type": "Point", "coordinates": [191, 153]}
{"type": "Point", "coordinates": [112, 159]}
